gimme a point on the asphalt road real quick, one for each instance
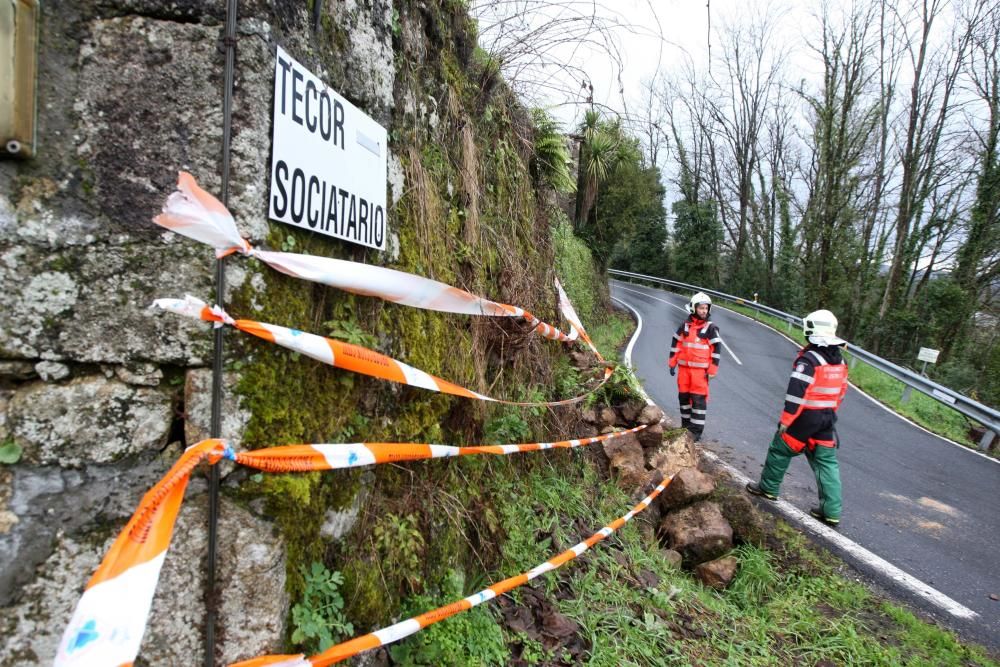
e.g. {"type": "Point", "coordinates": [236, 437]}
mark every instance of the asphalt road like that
{"type": "Point", "coordinates": [929, 507]}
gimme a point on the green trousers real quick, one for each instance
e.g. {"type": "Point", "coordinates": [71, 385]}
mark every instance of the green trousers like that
{"type": "Point", "coordinates": [822, 460]}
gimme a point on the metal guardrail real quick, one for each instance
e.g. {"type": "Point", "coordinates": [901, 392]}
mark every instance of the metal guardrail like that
{"type": "Point", "coordinates": [983, 414]}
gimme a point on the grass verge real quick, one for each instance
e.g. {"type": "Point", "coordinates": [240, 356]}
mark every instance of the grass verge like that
{"type": "Point", "coordinates": [786, 606]}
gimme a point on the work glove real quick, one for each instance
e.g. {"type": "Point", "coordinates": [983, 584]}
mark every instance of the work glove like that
{"type": "Point", "coordinates": [782, 428]}
{"type": "Point", "coordinates": [673, 371]}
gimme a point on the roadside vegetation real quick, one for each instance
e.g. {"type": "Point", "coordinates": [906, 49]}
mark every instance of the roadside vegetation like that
{"type": "Point", "coordinates": [622, 603]}
{"type": "Point", "coordinates": [787, 605]}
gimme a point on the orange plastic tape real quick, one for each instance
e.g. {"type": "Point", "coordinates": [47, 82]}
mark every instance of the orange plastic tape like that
{"type": "Point", "coordinates": [109, 620]}
{"type": "Point", "coordinates": [194, 213]}
{"type": "Point", "coordinates": [411, 626]}
{"type": "Point", "coordinates": [344, 355]}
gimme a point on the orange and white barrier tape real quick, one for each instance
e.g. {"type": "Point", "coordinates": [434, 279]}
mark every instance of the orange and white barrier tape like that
{"type": "Point", "coordinates": [411, 626]}
{"type": "Point", "coordinates": [109, 620]}
{"type": "Point", "coordinates": [194, 213]}
{"type": "Point", "coordinates": [304, 458]}
{"type": "Point", "coordinates": [341, 355]}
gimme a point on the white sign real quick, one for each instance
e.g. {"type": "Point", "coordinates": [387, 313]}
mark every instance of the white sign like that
{"type": "Point", "coordinates": [927, 354]}
{"type": "Point", "coordinates": [328, 162]}
{"type": "Point", "coordinates": [944, 397]}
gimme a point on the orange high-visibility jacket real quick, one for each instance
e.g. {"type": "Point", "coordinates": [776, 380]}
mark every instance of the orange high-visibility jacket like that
{"type": "Point", "coordinates": [815, 384]}
{"type": "Point", "coordinates": [696, 345]}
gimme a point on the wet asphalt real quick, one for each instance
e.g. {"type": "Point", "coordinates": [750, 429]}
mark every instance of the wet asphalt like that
{"type": "Point", "coordinates": [929, 507]}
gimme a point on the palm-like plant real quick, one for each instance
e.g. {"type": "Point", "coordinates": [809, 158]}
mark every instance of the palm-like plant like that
{"type": "Point", "coordinates": [602, 148]}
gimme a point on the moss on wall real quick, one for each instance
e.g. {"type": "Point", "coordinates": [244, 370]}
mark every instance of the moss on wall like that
{"type": "Point", "coordinates": [501, 250]}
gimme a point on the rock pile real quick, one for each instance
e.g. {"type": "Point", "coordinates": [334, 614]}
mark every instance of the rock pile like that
{"type": "Point", "coordinates": [693, 529]}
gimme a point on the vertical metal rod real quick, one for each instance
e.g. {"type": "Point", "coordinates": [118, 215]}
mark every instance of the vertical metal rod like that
{"type": "Point", "coordinates": [986, 440]}
{"type": "Point", "coordinates": [229, 42]}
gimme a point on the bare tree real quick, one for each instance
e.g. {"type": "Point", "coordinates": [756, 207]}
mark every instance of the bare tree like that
{"type": "Point", "coordinates": [540, 45]}
{"type": "Point", "coordinates": [844, 121]}
{"type": "Point", "coordinates": [935, 75]}
{"type": "Point", "coordinates": [751, 66]}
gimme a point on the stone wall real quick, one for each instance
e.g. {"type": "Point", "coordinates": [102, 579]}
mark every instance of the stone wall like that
{"type": "Point", "coordinates": [100, 394]}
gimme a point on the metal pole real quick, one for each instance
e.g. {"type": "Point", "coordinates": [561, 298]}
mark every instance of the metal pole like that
{"type": "Point", "coordinates": [986, 440]}
{"type": "Point", "coordinates": [220, 287]}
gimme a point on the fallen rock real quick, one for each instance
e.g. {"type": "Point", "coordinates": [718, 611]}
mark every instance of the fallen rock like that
{"type": "Point", "coordinates": [650, 414]}
{"type": "Point", "coordinates": [689, 485]}
{"type": "Point", "coordinates": [653, 478]}
{"type": "Point", "coordinates": [581, 360]}
{"type": "Point", "coordinates": [672, 557]}
{"type": "Point", "coordinates": [537, 617]}
{"type": "Point", "coordinates": [699, 532]}
{"type": "Point", "coordinates": [630, 411]}
{"type": "Point", "coordinates": [746, 521]}
{"type": "Point", "coordinates": [652, 514]}
{"type": "Point", "coordinates": [717, 573]}
{"type": "Point", "coordinates": [651, 436]}
{"type": "Point", "coordinates": [626, 461]}
{"type": "Point", "coordinates": [676, 452]}
{"type": "Point", "coordinates": [606, 416]}
{"type": "Point", "coordinates": [589, 415]}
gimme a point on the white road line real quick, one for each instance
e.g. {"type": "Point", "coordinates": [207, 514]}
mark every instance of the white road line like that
{"type": "Point", "coordinates": [731, 353]}
{"type": "Point", "coordinates": [877, 563]}
{"type": "Point", "coordinates": [635, 336]}
{"type": "Point", "coordinates": [861, 391]}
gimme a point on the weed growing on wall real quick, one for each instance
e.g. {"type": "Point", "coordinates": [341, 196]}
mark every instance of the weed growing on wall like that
{"type": "Point", "coordinates": [401, 545]}
{"type": "Point", "coordinates": [472, 639]}
{"type": "Point", "coordinates": [318, 619]}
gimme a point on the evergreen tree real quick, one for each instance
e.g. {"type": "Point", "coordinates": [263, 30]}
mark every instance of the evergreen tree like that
{"type": "Point", "coordinates": [635, 198]}
{"type": "Point", "coordinates": [697, 242]}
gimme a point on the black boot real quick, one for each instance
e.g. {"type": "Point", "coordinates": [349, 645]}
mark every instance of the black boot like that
{"type": "Point", "coordinates": [754, 489]}
{"type": "Point", "coordinates": [817, 513]}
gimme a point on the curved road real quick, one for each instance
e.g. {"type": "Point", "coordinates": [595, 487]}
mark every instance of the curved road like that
{"type": "Point", "coordinates": [929, 507]}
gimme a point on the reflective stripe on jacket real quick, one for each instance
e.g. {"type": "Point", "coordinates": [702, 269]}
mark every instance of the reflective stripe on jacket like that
{"type": "Point", "coordinates": [695, 345]}
{"type": "Point", "coordinates": [816, 383]}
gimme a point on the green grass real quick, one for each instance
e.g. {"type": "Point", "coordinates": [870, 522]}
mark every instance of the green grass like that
{"type": "Point", "coordinates": [787, 604]}
{"type": "Point", "coordinates": [611, 334]}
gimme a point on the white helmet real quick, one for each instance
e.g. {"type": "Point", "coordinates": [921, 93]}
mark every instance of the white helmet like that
{"type": "Point", "coordinates": [700, 297]}
{"type": "Point", "coordinates": [820, 327]}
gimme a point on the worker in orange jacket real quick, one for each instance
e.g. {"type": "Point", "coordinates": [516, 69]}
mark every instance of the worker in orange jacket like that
{"type": "Point", "coordinates": [815, 390]}
{"type": "Point", "coordinates": [695, 349]}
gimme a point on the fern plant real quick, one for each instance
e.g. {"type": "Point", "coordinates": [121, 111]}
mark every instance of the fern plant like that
{"type": "Point", "coordinates": [551, 159]}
